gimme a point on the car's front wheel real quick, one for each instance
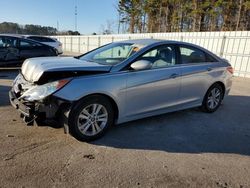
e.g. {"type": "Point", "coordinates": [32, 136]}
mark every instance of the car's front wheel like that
{"type": "Point", "coordinates": [213, 98]}
{"type": "Point", "coordinates": [90, 118]}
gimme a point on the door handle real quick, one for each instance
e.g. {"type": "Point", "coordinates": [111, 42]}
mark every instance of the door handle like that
{"type": "Point", "coordinates": [173, 76]}
{"type": "Point", "coordinates": [209, 69]}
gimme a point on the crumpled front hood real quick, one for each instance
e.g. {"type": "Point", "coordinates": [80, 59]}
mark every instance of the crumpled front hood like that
{"type": "Point", "coordinates": [34, 68]}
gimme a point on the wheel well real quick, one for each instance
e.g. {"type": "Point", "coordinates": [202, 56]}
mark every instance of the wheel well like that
{"type": "Point", "coordinates": [111, 100]}
{"type": "Point", "coordinates": [222, 86]}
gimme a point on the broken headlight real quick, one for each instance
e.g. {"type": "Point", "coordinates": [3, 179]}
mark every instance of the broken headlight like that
{"type": "Point", "coordinates": [39, 92]}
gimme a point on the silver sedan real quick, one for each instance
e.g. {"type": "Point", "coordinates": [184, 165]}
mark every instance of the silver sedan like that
{"type": "Point", "coordinates": [120, 82]}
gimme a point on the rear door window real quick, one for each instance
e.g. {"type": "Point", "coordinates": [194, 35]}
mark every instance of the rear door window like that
{"type": "Point", "coordinates": [194, 55]}
{"type": "Point", "coordinates": [28, 44]}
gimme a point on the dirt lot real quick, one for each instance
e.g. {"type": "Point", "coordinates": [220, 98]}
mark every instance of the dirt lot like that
{"type": "Point", "coordinates": [181, 149]}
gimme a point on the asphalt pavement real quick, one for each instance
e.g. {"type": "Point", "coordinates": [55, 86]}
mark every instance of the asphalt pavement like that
{"type": "Point", "coordinates": [181, 149]}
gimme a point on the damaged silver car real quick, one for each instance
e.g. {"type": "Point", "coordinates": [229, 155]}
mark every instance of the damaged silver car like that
{"type": "Point", "coordinates": [120, 82]}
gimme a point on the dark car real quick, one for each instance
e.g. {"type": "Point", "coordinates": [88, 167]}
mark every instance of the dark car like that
{"type": "Point", "coordinates": [14, 50]}
{"type": "Point", "coordinates": [47, 40]}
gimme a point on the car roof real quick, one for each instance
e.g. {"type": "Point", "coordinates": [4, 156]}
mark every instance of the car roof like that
{"type": "Point", "coordinates": [22, 37]}
{"type": "Point", "coordinates": [147, 42]}
{"type": "Point", "coordinates": [41, 36]}
{"type": "Point", "coordinates": [36, 36]}
{"type": "Point", "coordinates": [12, 35]}
{"type": "Point", "coordinates": [141, 41]}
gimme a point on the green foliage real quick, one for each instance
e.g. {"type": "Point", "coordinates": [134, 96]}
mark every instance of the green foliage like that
{"type": "Point", "coordinates": [29, 29]}
{"type": "Point", "coordinates": [184, 15]}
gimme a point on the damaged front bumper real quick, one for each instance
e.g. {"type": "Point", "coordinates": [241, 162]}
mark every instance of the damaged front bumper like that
{"type": "Point", "coordinates": [47, 109]}
{"type": "Point", "coordinates": [27, 109]}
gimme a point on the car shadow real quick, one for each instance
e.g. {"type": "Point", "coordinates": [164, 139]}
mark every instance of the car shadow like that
{"type": "Point", "coordinates": [189, 131]}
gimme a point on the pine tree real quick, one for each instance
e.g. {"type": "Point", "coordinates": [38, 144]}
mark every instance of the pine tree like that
{"type": "Point", "coordinates": [185, 15]}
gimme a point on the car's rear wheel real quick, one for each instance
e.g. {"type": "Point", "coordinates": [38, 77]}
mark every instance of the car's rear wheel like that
{"type": "Point", "coordinates": [90, 118]}
{"type": "Point", "coordinates": [213, 98]}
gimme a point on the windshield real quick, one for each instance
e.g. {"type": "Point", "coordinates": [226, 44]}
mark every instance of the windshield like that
{"type": "Point", "coordinates": [112, 54]}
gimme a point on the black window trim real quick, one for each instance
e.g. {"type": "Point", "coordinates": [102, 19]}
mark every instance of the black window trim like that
{"type": "Point", "coordinates": [195, 48]}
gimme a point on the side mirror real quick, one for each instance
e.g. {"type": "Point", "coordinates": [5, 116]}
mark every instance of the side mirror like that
{"type": "Point", "coordinates": [141, 65]}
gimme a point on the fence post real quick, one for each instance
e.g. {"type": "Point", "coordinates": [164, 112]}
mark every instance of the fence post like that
{"type": "Point", "coordinates": [87, 44]}
{"type": "Point", "coordinates": [64, 46]}
{"type": "Point", "coordinates": [99, 41]}
{"type": "Point", "coordinates": [79, 44]}
{"type": "Point", "coordinates": [71, 42]}
{"type": "Point", "coordinates": [222, 46]}
{"type": "Point", "coordinates": [181, 38]}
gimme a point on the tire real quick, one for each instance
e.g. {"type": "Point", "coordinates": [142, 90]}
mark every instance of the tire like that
{"type": "Point", "coordinates": [86, 125]}
{"type": "Point", "coordinates": [212, 99]}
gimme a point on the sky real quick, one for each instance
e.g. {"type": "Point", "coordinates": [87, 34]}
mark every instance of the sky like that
{"type": "Point", "coordinates": [91, 13]}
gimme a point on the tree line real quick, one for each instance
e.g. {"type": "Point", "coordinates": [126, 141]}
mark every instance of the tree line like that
{"type": "Point", "coordinates": [137, 16]}
{"type": "Point", "coordinates": [30, 29]}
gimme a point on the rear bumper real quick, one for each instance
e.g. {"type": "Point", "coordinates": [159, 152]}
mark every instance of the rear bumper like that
{"type": "Point", "coordinates": [59, 50]}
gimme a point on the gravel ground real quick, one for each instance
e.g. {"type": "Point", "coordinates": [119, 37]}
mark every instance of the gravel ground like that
{"type": "Point", "coordinates": [182, 149]}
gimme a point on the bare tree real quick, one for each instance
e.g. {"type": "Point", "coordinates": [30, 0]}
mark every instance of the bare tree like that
{"type": "Point", "coordinates": [108, 28]}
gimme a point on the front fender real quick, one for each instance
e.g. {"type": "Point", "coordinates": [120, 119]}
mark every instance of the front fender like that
{"type": "Point", "coordinates": [112, 85]}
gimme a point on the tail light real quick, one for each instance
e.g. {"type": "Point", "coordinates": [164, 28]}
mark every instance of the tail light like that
{"type": "Point", "coordinates": [230, 69]}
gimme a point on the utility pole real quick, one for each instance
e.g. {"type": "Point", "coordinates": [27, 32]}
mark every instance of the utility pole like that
{"type": "Point", "coordinates": [57, 26]}
{"type": "Point", "coordinates": [76, 16]}
{"type": "Point", "coordinates": [119, 22]}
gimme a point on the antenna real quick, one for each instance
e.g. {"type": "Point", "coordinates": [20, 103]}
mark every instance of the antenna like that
{"type": "Point", "coordinates": [76, 16]}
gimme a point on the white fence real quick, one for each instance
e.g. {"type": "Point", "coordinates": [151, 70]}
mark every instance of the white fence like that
{"type": "Point", "coordinates": [234, 46]}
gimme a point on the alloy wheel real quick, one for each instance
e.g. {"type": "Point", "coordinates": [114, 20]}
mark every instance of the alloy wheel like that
{"type": "Point", "coordinates": [214, 98]}
{"type": "Point", "coordinates": [92, 119]}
